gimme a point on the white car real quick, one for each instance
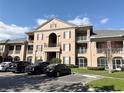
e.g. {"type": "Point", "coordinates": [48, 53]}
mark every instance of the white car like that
{"type": "Point", "coordinates": [4, 66]}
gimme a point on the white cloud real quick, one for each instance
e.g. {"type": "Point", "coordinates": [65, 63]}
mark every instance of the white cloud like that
{"type": "Point", "coordinates": [81, 21]}
{"type": "Point", "coordinates": [104, 20]}
{"type": "Point", "coordinates": [12, 31]}
{"type": "Point", "coordinates": [41, 21]}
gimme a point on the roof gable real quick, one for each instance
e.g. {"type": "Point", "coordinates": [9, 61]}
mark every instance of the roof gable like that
{"type": "Point", "coordinates": [55, 23]}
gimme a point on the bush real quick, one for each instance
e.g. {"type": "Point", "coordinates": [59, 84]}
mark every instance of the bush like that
{"type": "Point", "coordinates": [38, 60]}
{"type": "Point", "coordinates": [96, 68]}
{"type": "Point", "coordinates": [56, 60]}
{"type": "Point", "coordinates": [72, 66]}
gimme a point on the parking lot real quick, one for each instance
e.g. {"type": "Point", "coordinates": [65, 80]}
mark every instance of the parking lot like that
{"type": "Point", "coordinates": [23, 82]}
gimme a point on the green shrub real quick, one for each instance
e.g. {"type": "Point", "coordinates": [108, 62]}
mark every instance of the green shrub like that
{"type": "Point", "coordinates": [38, 60]}
{"type": "Point", "coordinates": [96, 68]}
{"type": "Point", "coordinates": [56, 60]}
{"type": "Point", "coordinates": [72, 66]}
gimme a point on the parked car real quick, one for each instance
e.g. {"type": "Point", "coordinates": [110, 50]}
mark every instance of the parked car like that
{"type": "Point", "coordinates": [18, 66]}
{"type": "Point", "coordinates": [57, 70]}
{"type": "Point", "coordinates": [37, 68]}
{"type": "Point", "coordinates": [4, 66]}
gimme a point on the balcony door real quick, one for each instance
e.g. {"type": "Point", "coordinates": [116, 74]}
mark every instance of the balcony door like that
{"type": "Point", "coordinates": [82, 62]}
{"type": "Point", "coordinates": [117, 63]}
{"type": "Point", "coordinates": [52, 40]}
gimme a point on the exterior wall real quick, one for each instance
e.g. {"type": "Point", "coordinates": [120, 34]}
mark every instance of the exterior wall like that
{"type": "Point", "coordinates": [60, 39]}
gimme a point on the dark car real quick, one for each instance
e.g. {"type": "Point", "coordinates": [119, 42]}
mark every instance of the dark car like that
{"type": "Point", "coordinates": [57, 70]}
{"type": "Point", "coordinates": [18, 66]}
{"type": "Point", "coordinates": [37, 68]}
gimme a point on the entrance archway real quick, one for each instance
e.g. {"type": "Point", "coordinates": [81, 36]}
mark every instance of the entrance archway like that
{"type": "Point", "coordinates": [52, 40]}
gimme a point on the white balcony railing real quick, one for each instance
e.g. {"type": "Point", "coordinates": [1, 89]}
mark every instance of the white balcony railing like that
{"type": "Point", "coordinates": [81, 51]}
{"type": "Point", "coordinates": [29, 51]}
{"type": "Point", "coordinates": [81, 38]}
{"type": "Point", "coordinates": [113, 50]}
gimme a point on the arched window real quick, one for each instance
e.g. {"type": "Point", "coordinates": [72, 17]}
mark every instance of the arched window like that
{"type": "Point", "coordinates": [82, 62]}
{"type": "Point", "coordinates": [9, 58]}
{"type": "Point", "coordinates": [102, 61]}
{"type": "Point", "coordinates": [17, 58]}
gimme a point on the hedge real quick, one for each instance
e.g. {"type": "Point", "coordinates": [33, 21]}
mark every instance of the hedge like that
{"type": "Point", "coordinates": [72, 66]}
{"type": "Point", "coordinates": [96, 68]}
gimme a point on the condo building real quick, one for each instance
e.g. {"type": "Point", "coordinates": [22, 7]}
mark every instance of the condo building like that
{"type": "Point", "coordinates": [78, 45]}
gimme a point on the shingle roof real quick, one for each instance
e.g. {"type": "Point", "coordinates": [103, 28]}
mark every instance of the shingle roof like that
{"type": "Point", "coordinates": [19, 40]}
{"type": "Point", "coordinates": [107, 33]}
{"type": "Point", "coordinates": [3, 41]}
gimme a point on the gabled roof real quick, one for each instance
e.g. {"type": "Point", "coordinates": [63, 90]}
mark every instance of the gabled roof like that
{"type": "Point", "coordinates": [107, 33]}
{"type": "Point", "coordinates": [55, 19]}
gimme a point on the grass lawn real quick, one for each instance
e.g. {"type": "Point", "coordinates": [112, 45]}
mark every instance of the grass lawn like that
{"type": "Point", "coordinates": [103, 73]}
{"type": "Point", "coordinates": [107, 84]}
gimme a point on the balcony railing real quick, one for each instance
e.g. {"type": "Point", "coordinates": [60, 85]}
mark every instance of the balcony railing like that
{"type": "Point", "coordinates": [17, 51]}
{"type": "Point", "coordinates": [113, 50]}
{"type": "Point", "coordinates": [101, 50]}
{"type": "Point", "coordinates": [81, 38]}
{"type": "Point", "coordinates": [30, 41]}
{"type": "Point", "coordinates": [81, 51]}
{"type": "Point", "coordinates": [10, 51]}
{"type": "Point", "coordinates": [117, 50]}
{"type": "Point", "coordinates": [51, 45]}
{"type": "Point", "coordinates": [29, 51]}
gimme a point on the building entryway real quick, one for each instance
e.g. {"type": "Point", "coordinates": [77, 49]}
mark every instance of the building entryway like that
{"type": "Point", "coordinates": [51, 55]}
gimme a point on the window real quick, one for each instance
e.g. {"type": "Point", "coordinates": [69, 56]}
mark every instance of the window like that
{"type": "Point", "coordinates": [66, 60]}
{"type": "Point", "coordinates": [82, 62]}
{"type": "Point", "coordinates": [30, 47]}
{"type": "Point", "coordinates": [11, 47]}
{"type": "Point", "coordinates": [102, 61]}
{"type": "Point", "coordinates": [39, 36]}
{"type": "Point", "coordinates": [39, 47]}
{"type": "Point", "coordinates": [66, 47]}
{"type": "Point", "coordinates": [18, 47]}
{"type": "Point", "coordinates": [67, 35]}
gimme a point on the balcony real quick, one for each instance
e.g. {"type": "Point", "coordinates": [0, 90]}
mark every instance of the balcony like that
{"type": "Point", "coordinates": [11, 52]}
{"type": "Point", "coordinates": [17, 51]}
{"type": "Point", "coordinates": [117, 50]}
{"type": "Point", "coordinates": [52, 48]}
{"type": "Point", "coordinates": [30, 41]}
{"type": "Point", "coordinates": [101, 50]}
{"type": "Point", "coordinates": [29, 51]}
{"type": "Point", "coordinates": [81, 39]}
{"type": "Point", "coordinates": [81, 51]}
{"type": "Point", "coordinates": [113, 50]}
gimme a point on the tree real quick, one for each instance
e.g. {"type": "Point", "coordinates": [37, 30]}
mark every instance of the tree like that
{"type": "Point", "coordinates": [108, 52]}
{"type": "Point", "coordinates": [55, 60]}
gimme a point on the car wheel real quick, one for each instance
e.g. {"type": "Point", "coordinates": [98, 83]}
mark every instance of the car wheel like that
{"type": "Point", "coordinates": [37, 72]}
{"type": "Point", "coordinates": [57, 74]}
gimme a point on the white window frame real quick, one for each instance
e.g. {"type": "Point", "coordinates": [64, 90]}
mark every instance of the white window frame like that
{"type": "Point", "coordinates": [66, 59]}
{"type": "Point", "coordinates": [39, 36]}
{"type": "Point", "coordinates": [101, 63]}
{"type": "Point", "coordinates": [66, 47]}
{"type": "Point", "coordinates": [67, 34]}
{"type": "Point", "coordinates": [39, 47]}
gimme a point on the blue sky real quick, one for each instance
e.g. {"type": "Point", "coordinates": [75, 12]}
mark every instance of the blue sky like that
{"type": "Point", "coordinates": [27, 14]}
